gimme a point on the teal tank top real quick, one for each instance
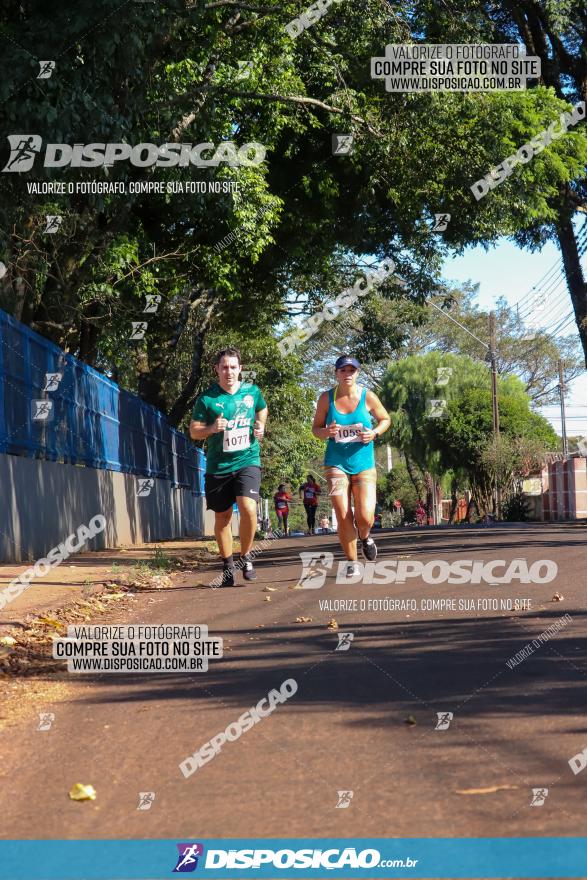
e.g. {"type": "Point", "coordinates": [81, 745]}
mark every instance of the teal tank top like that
{"type": "Point", "coordinates": [346, 452]}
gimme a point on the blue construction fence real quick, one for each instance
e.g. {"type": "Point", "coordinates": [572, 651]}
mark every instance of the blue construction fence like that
{"type": "Point", "coordinates": [55, 407]}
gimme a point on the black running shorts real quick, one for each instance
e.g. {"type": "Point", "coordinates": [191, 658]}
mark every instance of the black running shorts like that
{"type": "Point", "coordinates": [222, 489]}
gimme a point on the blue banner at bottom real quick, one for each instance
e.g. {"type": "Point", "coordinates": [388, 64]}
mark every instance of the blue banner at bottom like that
{"type": "Point", "coordinates": [278, 858]}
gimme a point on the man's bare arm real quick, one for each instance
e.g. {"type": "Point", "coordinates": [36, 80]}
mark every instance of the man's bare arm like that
{"type": "Point", "coordinates": [200, 430]}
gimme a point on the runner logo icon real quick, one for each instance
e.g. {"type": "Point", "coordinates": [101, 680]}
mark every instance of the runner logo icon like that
{"type": "Point", "coordinates": [539, 795]}
{"type": "Point", "coordinates": [344, 641]}
{"type": "Point", "coordinates": [189, 854]}
{"type": "Point", "coordinates": [344, 799]}
{"type": "Point", "coordinates": [444, 719]}
{"type": "Point", "coordinates": [24, 148]}
{"type": "Point", "coordinates": [441, 222]}
{"type": "Point", "coordinates": [315, 566]}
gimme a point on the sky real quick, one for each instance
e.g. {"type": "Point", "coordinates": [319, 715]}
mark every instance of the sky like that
{"type": "Point", "coordinates": [508, 271]}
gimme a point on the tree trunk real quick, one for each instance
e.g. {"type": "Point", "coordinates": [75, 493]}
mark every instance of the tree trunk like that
{"type": "Point", "coordinates": [535, 27]}
{"type": "Point", "coordinates": [453, 501]}
{"type": "Point", "coordinates": [150, 385]}
{"type": "Point", "coordinates": [470, 505]}
{"type": "Point", "coordinates": [575, 278]}
{"type": "Point", "coordinates": [89, 335]}
{"type": "Point", "coordinates": [418, 484]}
{"type": "Point", "coordinates": [182, 403]}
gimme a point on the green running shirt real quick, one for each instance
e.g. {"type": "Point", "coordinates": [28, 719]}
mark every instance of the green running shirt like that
{"type": "Point", "coordinates": [234, 448]}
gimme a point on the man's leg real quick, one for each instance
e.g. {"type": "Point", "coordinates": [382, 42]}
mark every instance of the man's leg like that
{"type": "Point", "coordinates": [223, 531]}
{"type": "Point", "coordinates": [223, 534]}
{"type": "Point", "coordinates": [246, 484]}
{"type": "Point", "coordinates": [247, 507]}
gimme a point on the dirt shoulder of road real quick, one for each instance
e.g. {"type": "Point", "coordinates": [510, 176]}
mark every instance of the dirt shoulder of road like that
{"type": "Point", "coordinates": [86, 586]}
{"type": "Point", "coordinates": [86, 577]}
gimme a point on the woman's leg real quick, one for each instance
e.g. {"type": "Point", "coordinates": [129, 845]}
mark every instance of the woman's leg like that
{"type": "Point", "coordinates": [363, 488]}
{"type": "Point", "coordinates": [285, 516]}
{"type": "Point", "coordinates": [312, 520]}
{"type": "Point", "coordinates": [339, 493]}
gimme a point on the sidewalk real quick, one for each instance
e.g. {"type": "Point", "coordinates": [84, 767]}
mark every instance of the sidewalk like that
{"type": "Point", "coordinates": [87, 574]}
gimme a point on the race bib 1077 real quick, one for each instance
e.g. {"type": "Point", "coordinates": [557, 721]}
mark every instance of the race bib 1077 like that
{"type": "Point", "coordinates": [236, 439]}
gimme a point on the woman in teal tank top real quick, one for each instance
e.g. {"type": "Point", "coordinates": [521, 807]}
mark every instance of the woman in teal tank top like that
{"type": "Point", "coordinates": [344, 417]}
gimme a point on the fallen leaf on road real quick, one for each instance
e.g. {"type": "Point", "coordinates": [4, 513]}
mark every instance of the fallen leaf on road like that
{"type": "Point", "coordinates": [489, 790]}
{"type": "Point", "coordinates": [332, 624]}
{"type": "Point", "coordinates": [558, 597]}
{"type": "Point", "coordinates": [7, 640]}
{"type": "Point", "coordinates": [267, 598]}
{"type": "Point", "coordinates": [81, 792]}
{"type": "Point", "coordinates": [270, 590]}
{"type": "Point", "coordinates": [409, 556]}
{"type": "Point", "coordinates": [303, 620]}
{"type": "Point", "coordinates": [410, 720]}
{"type": "Point", "coordinates": [50, 621]}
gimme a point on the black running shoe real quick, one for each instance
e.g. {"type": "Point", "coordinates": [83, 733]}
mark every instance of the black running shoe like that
{"type": "Point", "coordinates": [249, 572]}
{"type": "Point", "coordinates": [227, 576]}
{"type": "Point", "coordinates": [369, 548]}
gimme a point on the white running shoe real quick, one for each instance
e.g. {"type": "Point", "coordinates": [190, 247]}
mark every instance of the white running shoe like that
{"type": "Point", "coordinates": [352, 569]}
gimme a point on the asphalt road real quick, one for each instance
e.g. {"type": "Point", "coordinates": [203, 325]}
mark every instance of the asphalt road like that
{"type": "Point", "coordinates": [346, 727]}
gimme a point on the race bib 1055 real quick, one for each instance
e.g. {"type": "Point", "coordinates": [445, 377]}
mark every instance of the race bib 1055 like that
{"type": "Point", "coordinates": [348, 433]}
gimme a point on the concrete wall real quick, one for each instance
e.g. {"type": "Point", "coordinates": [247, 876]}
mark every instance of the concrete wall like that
{"type": "Point", "coordinates": [42, 502]}
{"type": "Point", "coordinates": [564, 489]}
{"type": "Point", "coordinates": [209, 523]}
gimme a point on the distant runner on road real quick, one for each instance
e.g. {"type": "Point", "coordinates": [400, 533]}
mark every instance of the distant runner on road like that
{"type": "Point", "coordinates": [280, 499]}
{"type": "Point", "coordinates": [309, 492]}
{"type": "Point", "coordinates": [231, 416]}
{"type": "Point", "coordinates": [344, 417]}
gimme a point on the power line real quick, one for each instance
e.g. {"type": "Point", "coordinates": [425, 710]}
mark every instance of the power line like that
{"type": "Point", "coordinates": [581, 238]}
{"type": "Point", "coordinates": [526, 310]}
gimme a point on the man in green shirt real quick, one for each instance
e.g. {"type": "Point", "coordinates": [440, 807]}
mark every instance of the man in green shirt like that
{"type": "Point", "coordinates": [231, 416]}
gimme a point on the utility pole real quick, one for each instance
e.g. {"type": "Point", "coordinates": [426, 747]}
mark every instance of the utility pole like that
{"type": "Point", "coordinates": [561, 391]}
{"type": "Point", "coordinates": [389, 458]}
{"type": "Point", "coordinates": [493, 362]}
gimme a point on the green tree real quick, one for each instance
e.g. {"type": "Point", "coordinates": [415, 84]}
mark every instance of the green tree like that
{"type": "Point", "coordinates": [556, 32]}
{"type": "Point", "coordinates": [397, 485]}
{"type": "Point", "coordinates": [303, 221]}
{"type": "Point", "coordinates": [442, 416]}
{"type": "Point", "coordinates": [464, 437]}
{"type": "Point", "coordinates": [464, 327]}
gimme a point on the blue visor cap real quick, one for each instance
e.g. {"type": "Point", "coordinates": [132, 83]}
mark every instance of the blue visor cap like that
{"type": "Point", "coordinates": [347, 362]}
